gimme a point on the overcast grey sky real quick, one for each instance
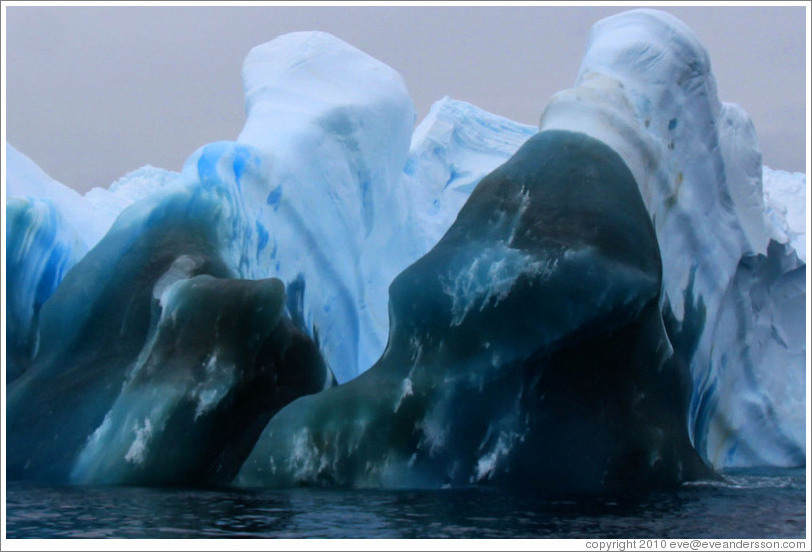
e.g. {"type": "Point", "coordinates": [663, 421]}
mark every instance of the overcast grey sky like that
{"type": "Point", "coordinates": [95, 92]}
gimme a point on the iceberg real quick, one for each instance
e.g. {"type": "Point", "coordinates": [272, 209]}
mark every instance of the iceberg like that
{"type": "Point", "coordinates": [645, 87]}
{"type": "Point", "coordinates": [452, 149]}
{"type": "Point", "coordinates": [220, 362]}
{"type": "Point", "coordinates": [49, 228]}
{"type": "Point", "coordinates": [335, 149]}
{"type": "Point", "coordinates": [526, 350]}
{"type": "Point", "coordinates": [611, 301]}
{"type": "Point", "coordinates": [786, 214]}
{"type": "Point", "coordinates": [90, 215]}
{"type": "Point", "coordinates": [40, 249]}
{"type": "Point", "coordinates": [154, 316]}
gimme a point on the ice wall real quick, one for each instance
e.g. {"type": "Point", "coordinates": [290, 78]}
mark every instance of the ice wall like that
{"type": "Point", "coordinates": [645, 87]}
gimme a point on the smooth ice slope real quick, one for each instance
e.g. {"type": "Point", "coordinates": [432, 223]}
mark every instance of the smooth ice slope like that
{"type": "Point", "coordinates": [645, 87]}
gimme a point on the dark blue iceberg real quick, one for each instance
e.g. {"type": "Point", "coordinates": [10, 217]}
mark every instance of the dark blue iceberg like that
{"type": "Point", "coordinates": [526, 349]}
{"type": "Point", "coordinates": [156, 364]}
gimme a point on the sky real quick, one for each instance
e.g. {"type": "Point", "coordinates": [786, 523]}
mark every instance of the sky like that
{"type": "Point", "coordinates": [95, 92]}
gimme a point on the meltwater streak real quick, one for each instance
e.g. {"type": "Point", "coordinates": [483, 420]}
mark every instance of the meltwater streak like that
{"type": "Point", "coordinates": [751, 504]}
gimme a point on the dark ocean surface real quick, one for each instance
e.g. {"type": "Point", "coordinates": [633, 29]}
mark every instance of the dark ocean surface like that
{"type": "Point", "coordinates": [749, 504]}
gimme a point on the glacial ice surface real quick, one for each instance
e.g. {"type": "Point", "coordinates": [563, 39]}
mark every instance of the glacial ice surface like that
{"type": "Point", "coordinates": [782, 192]}
{"type": "Point", "coordinates": [40, 249]}
{"type": "Point", "coordinates": [50, 227]}
{"type": "Point", "coordinates": [645, 87]}
{"type": "Point", "coordinates": [329, 190]}
{"type": "Point", "coordinates": [90, 215]}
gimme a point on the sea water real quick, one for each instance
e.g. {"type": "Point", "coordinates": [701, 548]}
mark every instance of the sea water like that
{"type": "Point", "coordinates": [748, 504]}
